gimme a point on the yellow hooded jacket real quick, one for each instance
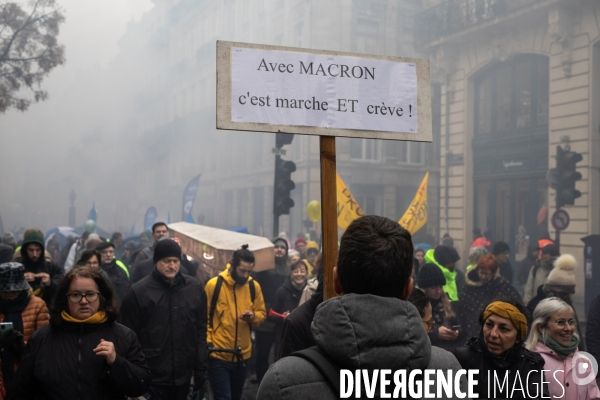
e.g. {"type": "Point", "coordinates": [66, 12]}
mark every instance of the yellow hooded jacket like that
{"type": "Point", "coordinates": [228, 330]}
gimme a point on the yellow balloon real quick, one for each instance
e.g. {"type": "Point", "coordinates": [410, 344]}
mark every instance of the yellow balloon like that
{"type": "Point", "coordinates": [313, 209]}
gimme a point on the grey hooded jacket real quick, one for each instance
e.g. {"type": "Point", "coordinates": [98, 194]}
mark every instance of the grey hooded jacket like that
{"type": "Point", "coordinates": [358, 332]}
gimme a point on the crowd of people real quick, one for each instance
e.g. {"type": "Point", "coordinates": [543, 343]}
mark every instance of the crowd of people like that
{"type": "Point", "coordinates": [108, 319]}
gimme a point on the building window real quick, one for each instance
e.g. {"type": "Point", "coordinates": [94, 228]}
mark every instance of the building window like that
{"type": "Point", "coordinates": [365, 149]}
{"type": "Point", "coordinates": [512, 97]}
{"type": "Point", "coordinates": [403, 152]}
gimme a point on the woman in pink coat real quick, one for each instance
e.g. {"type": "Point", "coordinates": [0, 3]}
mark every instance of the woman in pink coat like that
{"type": "Point", "coordinates": [553, 335]}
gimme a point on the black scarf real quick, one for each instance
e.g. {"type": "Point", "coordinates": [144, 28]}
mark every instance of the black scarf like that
{"type": "Point", "coordinates": [12, 310]}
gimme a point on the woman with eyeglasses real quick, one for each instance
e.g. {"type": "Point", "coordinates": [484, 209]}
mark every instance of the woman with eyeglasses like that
{"type": "Point", "coordinates": [83, 353]}
{"type": "Point", "coordinates": [554, 336]}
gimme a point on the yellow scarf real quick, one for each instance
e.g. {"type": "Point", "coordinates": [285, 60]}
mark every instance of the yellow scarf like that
{"type": "Point", "coordinates": [97, 318]}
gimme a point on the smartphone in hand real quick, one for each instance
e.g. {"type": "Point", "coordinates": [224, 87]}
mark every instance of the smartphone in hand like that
{"type": "Point", "coordinates": [5, 327]}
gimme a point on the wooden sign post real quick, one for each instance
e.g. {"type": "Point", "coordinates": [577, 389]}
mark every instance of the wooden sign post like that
{"type": "Point", "coordinates": [326, 94]}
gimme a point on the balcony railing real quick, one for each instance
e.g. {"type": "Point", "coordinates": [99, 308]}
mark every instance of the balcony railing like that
{"type": "Point", "coordinates": [453, 16]}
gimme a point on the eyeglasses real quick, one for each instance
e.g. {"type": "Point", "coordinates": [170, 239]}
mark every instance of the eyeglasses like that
{"type": "Point", "coordinates": [561, 323]}
{"type": "Point", "coordinates": [89, 296]}
{"type": "Point", "coordinates": [430, 323]}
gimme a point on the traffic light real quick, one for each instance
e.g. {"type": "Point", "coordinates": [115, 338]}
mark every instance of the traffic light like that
{"type": "Point", "coordinates": [566, 176]}
{"type": "Point", "coordinates": [282, 201]}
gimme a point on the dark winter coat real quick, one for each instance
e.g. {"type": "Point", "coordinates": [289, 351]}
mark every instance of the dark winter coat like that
{"type": "Point", "coordinates": [476, 296]}
{"type": "Point", "coordinates": [295, 332]}
{"type": "Point", "coordinates": [592, 337]}
{"type": "Point", "coordinates": [118, 278]}
{"type": "Point", "coordinates": [474, 355]}
{"type": "Point", "coordinates": [170, 320]}
{"type": "Point", "coordinates": [146, 267]}
{"type": "Point", "coordinates": [59, 363]}
{"type": "Point", "coordinates": [46, 292]}
{"type": "Point", "coordinates": [269, 281]}
{"type": "Point", "coordinates": [287, 298]}
{"type": "Point", "coordinates": [506, 271]}
{"type": "Point", "coordinates": [439, 316]}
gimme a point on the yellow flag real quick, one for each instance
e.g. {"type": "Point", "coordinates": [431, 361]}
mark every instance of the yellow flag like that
{"type": "Point", "coordinates": [416, 216]}
{"type": "Point", "coordinates": [347, 207]}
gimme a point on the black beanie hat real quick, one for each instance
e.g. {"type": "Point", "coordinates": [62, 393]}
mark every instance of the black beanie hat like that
{"type": "Point", "coordinates": [166, 248]}
{"type": "Point", "coordinates": [430, 275]}
{"type": "Point", "coordinates": [551, 249]}
{"type": "Point", "coordinates": [104, 245]}
{"type": "Point", "coordinates": [445, 255]}
{"type": "Point", "coordinates": [500, 247]}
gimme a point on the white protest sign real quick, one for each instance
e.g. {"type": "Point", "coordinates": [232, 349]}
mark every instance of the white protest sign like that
{"type": "Point", "coordinates": [278, 89]}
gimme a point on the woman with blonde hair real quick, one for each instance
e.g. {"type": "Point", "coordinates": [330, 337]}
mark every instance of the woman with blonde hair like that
{"type": "Point", "coordinates": [554, 336]}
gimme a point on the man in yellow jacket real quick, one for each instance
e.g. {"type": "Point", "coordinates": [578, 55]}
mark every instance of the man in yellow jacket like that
{"type": "Point", "coordinates": [235, 305]}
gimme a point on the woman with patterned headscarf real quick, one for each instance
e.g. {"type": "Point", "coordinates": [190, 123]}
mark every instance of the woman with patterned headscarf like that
{"type": "Point", "coordinates": [507, 370]}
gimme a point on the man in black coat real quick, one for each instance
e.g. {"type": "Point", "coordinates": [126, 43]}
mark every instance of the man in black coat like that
{"type": "Point", "coordinates": [159, 230]}
{"type": "Point", "coordinates": [115, 269]}
{"type": "Point", "coordinates": [146, 267]}
{"type": "Point", "coordinates": [167, 310]}
{"type": "Point", "coordinates": [43, 275]}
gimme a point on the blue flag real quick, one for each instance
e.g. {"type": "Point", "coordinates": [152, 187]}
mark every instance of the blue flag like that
{"type": "Point", "coordinates": [150, 218]}
{"type": "Point", "coordinates": [93, 215]}
{"type": "Point", "coordinates": [189, 195]}
{"type": "Point", "coordinates": [168, 217]}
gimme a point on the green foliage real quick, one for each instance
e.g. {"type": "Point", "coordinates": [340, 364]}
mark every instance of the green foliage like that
{"type": "Point", "coordinates": [29, 50]}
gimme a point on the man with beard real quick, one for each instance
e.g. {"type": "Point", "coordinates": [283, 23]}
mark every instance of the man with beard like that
{"type": "Point", "coordinates": [270, 281]}
{"type": "Point", "coordinates": [235, 306]}
{"type": "Point", "coordinates": [43, 275]}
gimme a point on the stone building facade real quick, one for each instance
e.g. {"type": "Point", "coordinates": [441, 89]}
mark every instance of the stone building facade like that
{"type": "Point", "coordinates": [517, 79]}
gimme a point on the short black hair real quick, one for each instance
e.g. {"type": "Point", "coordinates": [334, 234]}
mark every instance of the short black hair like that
{"type": "Point", "coordinates": [116, 235]}
{"type": "Point", "coordinates": [156, 225]}
{"type": "Point", "coordinates": [240, 255]}
{"type": "Point", "coordinates": [419, 300]}
{"type": "Point", "coordinates": [375, 257]}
